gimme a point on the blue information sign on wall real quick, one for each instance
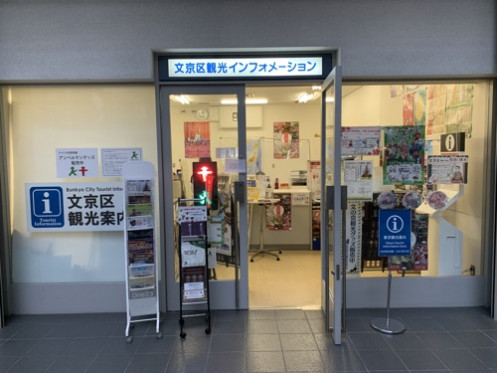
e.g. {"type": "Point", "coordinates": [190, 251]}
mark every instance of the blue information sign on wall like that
{"type": "Point", "coordinates": [394, 232]}
{"type": "Point", "coordinates": [47, 209]}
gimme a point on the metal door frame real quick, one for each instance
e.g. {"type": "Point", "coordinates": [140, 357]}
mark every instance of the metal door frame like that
{"type": "Point", "coordinates": [331, 200]}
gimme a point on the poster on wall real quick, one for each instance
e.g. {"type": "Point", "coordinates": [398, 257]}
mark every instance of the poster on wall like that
{"type": "Point", "coordinates": [358, 176]}
{"type": "Point", "coordinates": [74, 207]}
{"type": "Point", "coordinates": [286, 140]}
{"type": "Point", "coordinates": [404, 155]}
{"type": "Point", "coordinates": [420, 107]}
{"type": "Point", "coordinates": [77, 162]}
{"type": "Point", "coordinates": [314, 179]}
{"type": "Point", "coordinates": [197, 139]}
{"type": "Point", "coordinates": [418, 260]}
{"type": "Point", "coordinates": [114, 158]}
{"type": "Point", "coordinates": [223, 250]}
{"type": "Point", "coordinates": [254, 156]}
{"type": "Point", "coordinates": [353, 239]}
{"type": "Point", "coordinates": [459, 108]}
{"type": "Point", "coordinates": [451, 169]}
{"type": "Point", "coordinates": [436, 109]}
{"type": "Point", "coordinates": [360, 140]}
{"type": "Point", "coordinates": [408, 109]}
{"type": "Point", "coordinates": [279, 215]}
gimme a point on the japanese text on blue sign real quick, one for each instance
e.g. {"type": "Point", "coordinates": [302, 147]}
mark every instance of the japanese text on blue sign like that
{"type": "Point", "coordinates": [75, 207]}
{"type": "Point", "coordinates": [394, 232]}
{"type": "Point", "coordinates": [245, 67]}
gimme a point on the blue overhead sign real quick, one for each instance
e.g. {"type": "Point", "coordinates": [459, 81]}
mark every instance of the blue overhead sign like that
{"type": "Point", "coordinates": [394, 232]}
{"type": "Point", "coordinates": [246, 67]}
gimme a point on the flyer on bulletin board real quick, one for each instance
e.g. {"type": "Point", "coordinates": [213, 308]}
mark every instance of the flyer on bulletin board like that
{"type": "Point", "coordinates": [449, 169]}
{"type": "Point", "coordinates": [404, 155]}
{"type": "Point", "coordinates": [358, 176]}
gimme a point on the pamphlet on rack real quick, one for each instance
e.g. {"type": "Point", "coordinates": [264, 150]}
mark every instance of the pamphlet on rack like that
{"type": "Point", "coordinates": [193, 253]}
{"type": "Point", "coordinates": [139, 222]}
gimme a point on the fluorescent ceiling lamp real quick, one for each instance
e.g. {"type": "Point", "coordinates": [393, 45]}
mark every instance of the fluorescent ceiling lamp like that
{"type": "Point", "coordinates": [181, 99]}
{"type": "Point", "coordinates": [304, 97]}
{"type": "Point", "coordinates": [248, 101]}
{"type": "Point", "coordinates": [330, 99]}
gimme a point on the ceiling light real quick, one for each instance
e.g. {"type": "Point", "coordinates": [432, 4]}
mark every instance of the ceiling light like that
{"type": "Point", "coordinates": [181, 99]}
{"type": "Point", "coordinates": [316, 87]}
{"type": "Point", "coordinates": [304, 97]}
{"type": "Point", "coordinates": [256, 101]}
{"type": "Point", "coordinates": [248, 101]}
{"type": "Point", "coordinates": [330, 99]}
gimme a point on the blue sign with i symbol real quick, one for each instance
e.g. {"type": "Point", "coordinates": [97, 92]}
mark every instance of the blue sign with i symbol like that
{"type": "Point", "coordinates": [47, 210]}
{"type": "Point", "coordinates": [394, 232]}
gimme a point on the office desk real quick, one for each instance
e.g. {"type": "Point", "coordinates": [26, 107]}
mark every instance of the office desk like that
{"type": "Point", "coordinates": [261, 204]}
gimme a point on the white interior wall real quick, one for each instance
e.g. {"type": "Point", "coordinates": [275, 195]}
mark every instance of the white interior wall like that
{"type": "Point", "coordinates": [47, 118]}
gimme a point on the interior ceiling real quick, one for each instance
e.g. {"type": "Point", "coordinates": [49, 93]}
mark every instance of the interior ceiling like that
{"type": "Point", "coordinates": [275, 94]}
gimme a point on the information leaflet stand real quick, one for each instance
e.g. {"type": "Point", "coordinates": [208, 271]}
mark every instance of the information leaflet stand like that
{"type": "Point", "coordinates": [142, 300]}
{"type": "Point", "coordinates": [394, 239]}
{"type": "Point", "coordinates": [193, 262]}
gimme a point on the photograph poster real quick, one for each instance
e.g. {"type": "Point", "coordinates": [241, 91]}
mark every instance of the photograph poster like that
{"type": "Point", "coordinates": [286, 140]}
{"type": "Point", "coordinates": [197, 140]}
{"type": "Point", "coordinates": [404, 155]}
{"type": "Point", "coordinates": [279, 215]}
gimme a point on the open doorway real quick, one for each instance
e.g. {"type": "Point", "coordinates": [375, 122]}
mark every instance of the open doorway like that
{"type": "Point", "coordinates": [284, 138]}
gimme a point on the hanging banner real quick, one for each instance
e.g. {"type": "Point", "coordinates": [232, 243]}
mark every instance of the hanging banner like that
{"type": "Point", "coordinates": [75, 207]}
{"type": "Point", "coordinates": [436, 109]}
{"type": "Point", "coordinates": [353, 240]}
{"type": "Point", "coordinates": [459, 108]}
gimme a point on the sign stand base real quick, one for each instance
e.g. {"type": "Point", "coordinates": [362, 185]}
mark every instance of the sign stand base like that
{"type": "Point", "coordinates": [385, 324]}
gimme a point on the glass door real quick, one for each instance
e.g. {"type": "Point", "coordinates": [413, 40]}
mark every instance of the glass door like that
{"type": "Point", "coordinates": [331, 206]}
{"type": "Point", "coordinates": [203, 162]}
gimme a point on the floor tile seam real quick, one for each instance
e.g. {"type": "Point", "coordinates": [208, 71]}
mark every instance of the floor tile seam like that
{"type": "Point", "coordinates": [477, 358]}
{"type": "Point", "coordinates": [15, 362]}
{"type": "Point", "coordinates": [462, 348]}
{"type": "Point", "coordinates": [401, 360]}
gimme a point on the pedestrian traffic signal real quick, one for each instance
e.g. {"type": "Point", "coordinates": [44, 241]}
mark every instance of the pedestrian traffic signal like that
{"type": "Point", "coordinates": [205, 183]}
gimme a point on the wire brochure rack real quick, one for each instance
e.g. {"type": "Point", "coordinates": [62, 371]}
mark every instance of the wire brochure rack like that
{"type": "Point", "coordinates": [142, 299]}
{"type": "Point", "coordinates": [193, 262]}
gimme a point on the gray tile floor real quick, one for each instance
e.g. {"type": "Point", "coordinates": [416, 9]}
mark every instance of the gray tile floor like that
{"type": "Point", "coordinates": [435, 340]}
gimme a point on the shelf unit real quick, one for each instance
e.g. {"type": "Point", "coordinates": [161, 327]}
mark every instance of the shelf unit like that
{"type": "Point", "coordinates": [142, 299]}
